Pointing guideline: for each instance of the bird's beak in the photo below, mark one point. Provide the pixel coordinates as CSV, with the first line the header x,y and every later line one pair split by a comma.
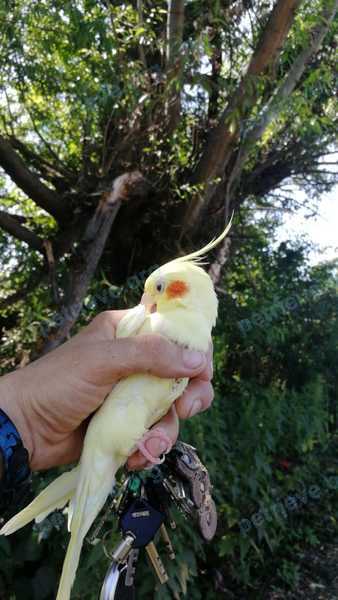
x,y
148,301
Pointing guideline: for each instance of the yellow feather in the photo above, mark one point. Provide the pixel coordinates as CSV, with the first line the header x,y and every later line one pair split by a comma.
x,y
194,256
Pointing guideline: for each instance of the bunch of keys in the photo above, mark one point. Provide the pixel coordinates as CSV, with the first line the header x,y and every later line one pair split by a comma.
x,y
143,509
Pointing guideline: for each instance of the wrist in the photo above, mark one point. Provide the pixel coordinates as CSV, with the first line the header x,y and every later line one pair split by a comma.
x,y
16,475
12,402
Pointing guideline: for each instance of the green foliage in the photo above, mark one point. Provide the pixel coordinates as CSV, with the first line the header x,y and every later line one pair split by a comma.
x,y
288,573
74,90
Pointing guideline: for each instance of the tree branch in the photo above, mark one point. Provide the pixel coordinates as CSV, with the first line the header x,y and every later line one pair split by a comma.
x,y
220,141
266,178
175,25
215,77
141,51
43,196
87,256
12,226
48,170
47,144
284,90
321,172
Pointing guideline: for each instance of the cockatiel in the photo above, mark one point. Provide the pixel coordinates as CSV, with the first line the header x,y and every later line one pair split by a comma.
x,y
180,303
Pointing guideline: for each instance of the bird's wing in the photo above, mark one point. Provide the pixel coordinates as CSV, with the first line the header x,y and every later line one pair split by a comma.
x,y
131,322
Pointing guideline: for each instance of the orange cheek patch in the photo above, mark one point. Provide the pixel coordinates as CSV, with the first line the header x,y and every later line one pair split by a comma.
x,y
177,289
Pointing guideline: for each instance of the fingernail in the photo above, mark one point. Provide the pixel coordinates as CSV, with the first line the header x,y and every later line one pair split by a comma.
x,y
195,408
193,359
156,447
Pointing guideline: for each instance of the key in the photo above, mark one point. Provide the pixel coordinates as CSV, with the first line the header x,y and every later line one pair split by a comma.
x,y
143,521
131,567
167,541
120,498
177,493
158,495
121,551
139,524
131,489
156,562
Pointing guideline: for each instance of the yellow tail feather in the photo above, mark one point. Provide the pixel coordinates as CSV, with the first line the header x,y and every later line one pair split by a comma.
x,y
55,496
84,507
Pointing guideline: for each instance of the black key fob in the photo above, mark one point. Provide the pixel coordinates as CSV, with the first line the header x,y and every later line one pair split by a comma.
x,y
142,520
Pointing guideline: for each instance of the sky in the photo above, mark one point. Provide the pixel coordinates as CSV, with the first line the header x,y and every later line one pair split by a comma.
x,y
321,229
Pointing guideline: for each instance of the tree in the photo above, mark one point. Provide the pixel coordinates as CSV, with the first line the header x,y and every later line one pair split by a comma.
x,y
131,130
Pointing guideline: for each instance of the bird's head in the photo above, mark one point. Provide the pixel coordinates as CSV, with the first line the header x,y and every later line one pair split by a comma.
x,y
183,284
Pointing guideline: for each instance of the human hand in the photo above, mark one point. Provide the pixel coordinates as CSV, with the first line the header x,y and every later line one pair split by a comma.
x,y
51,399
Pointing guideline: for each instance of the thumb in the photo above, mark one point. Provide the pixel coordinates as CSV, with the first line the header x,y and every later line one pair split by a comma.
x,y
152,354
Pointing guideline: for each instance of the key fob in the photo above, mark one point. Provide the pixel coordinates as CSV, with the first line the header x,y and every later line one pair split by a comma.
x,y
142,520
207,520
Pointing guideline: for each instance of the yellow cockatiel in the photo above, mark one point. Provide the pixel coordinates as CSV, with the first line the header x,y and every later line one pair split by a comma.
x,y
180,303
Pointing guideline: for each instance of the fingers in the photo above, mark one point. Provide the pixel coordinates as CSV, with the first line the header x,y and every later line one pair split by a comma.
x,y
197,397
199,394
152,354
169,424
208,371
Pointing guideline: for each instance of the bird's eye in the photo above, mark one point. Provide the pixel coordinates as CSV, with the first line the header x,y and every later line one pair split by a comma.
x,y
160,285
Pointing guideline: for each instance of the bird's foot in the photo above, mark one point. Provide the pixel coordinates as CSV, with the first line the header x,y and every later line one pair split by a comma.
x,y
160,435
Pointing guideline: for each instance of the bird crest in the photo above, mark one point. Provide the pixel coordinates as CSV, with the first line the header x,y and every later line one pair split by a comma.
x,y
198,256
